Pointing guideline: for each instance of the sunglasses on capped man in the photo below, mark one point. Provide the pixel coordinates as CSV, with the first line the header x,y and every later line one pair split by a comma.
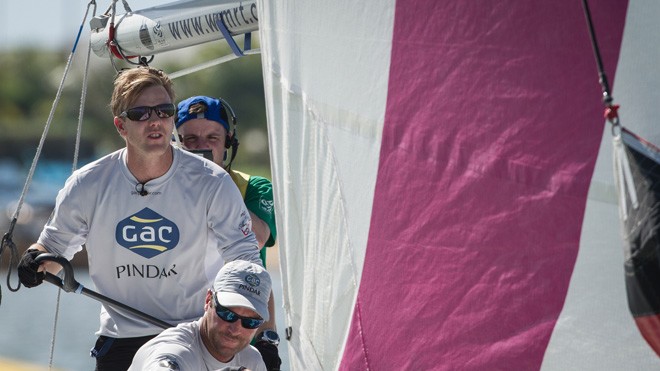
x,y
228,316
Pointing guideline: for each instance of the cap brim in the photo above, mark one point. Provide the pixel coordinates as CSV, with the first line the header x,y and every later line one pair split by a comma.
x,y
232,299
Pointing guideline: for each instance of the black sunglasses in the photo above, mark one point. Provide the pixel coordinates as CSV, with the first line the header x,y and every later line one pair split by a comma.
x,y
228,316
143,113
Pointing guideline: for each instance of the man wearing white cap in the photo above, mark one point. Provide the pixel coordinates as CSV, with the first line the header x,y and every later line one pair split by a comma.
x,y
233,311
203,124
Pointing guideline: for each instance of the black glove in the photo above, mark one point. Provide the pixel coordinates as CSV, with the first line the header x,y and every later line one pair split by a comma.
x,y
27,269
269,354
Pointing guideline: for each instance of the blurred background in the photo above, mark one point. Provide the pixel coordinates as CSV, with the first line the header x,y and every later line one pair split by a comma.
x,y
34,48
36,40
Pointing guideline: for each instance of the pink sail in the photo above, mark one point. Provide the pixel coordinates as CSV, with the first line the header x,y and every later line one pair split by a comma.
x,y
444,181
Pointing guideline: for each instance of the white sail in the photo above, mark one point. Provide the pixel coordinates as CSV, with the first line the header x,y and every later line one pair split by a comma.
x,y
320,120
443,181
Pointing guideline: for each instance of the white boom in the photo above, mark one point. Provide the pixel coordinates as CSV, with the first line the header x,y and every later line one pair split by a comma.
x,y
170,26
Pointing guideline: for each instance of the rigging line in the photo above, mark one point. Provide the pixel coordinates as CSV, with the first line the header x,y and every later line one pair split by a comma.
x,y
602,77
127,8
177,140
7,239
83,97
622,165
197,68
114,47
211,63
611,113
620,153
111,31
76,152
53,336
45,132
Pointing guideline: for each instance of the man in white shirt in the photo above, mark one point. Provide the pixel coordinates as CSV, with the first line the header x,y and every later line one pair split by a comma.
x,y
157,222
233,311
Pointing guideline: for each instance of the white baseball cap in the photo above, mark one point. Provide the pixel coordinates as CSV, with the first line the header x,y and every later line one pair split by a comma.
x,y
240,283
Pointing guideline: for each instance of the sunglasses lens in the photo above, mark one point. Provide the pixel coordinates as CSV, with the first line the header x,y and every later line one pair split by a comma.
x,y
138,113
229,316
165,110
251,323
143,113
226,315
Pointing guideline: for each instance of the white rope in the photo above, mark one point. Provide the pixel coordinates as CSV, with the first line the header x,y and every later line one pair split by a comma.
x,y
618,170
175,133
81,110
28,181
627,176
83,97
53,336
624,178
199,67
211,63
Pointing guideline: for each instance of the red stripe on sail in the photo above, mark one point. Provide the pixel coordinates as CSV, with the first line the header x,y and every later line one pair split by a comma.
x,y
492,129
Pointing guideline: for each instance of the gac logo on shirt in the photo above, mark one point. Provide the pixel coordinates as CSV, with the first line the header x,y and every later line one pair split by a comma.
x,y
147,233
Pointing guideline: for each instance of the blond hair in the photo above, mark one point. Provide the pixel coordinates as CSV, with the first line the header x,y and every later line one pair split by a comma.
x,y
129,84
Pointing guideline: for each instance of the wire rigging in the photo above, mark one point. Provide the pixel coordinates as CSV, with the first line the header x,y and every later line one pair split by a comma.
x,y
76,152
7,241
611,110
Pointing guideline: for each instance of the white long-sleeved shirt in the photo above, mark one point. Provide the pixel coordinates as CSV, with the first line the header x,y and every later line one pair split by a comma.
x,y
157,253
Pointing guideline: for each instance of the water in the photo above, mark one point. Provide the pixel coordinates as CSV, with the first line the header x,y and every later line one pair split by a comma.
x,y
27,318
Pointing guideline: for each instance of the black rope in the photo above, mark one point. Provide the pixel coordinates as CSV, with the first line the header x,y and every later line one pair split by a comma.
x,y
611,110
142,61
7,242
602,77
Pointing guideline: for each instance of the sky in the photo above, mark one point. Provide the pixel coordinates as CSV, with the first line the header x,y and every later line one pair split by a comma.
x,y
51,24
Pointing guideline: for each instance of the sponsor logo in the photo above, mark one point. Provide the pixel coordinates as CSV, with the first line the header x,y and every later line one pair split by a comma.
x,y
252,284
252,280
250,289
147,233
246,224
136,193
145,38
145,271
159,35
266,205
158,30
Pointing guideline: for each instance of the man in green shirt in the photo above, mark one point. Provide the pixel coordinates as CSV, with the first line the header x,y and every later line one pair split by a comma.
x,y
203,124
